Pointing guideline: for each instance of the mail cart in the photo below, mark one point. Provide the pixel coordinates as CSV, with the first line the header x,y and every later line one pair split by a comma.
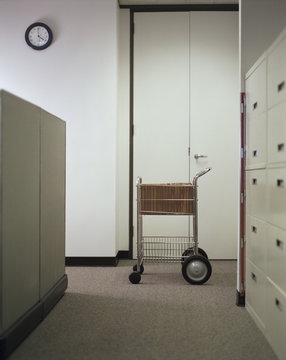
x,y
171,199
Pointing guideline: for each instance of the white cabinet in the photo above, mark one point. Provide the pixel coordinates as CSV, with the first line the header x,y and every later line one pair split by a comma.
x,y
256,193
276,255
256,91
256,151
277,74
276,194
256,293
276,319
266,194
256,244
276,131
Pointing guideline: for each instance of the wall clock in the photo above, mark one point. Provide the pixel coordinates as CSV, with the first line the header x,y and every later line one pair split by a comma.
x,y
38,36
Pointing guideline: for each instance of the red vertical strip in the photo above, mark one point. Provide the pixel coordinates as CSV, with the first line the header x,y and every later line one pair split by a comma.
x,y
242,201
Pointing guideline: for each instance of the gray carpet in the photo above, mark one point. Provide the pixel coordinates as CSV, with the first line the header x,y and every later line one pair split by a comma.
x,y
103,316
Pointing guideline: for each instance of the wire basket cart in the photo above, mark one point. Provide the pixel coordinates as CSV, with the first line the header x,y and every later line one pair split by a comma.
x,y
171,199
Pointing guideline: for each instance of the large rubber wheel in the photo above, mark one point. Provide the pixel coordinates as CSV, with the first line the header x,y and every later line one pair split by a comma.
x,y
135,277
196,269
190,251
141,268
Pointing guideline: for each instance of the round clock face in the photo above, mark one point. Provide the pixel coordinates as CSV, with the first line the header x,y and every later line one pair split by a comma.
x,y
39,36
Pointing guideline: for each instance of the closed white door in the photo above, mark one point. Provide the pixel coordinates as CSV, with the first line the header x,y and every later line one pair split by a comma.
x,y
186,97
161,109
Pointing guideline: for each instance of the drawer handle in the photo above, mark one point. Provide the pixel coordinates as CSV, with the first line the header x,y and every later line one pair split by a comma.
x,y
279,243
280,182
255,105
278,304
281,86
253,276
280,147
255,153
254,229
254,181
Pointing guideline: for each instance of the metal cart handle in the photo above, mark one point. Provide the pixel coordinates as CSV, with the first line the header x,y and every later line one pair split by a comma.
x,y
201,173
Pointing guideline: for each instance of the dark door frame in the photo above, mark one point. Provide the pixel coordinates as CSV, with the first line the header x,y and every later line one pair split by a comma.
x,y
152,8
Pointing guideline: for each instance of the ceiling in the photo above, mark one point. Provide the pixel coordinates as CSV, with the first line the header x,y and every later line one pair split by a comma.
x,y
175,2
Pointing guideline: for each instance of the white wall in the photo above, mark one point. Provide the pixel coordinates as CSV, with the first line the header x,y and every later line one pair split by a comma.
x,y
75,79
261,22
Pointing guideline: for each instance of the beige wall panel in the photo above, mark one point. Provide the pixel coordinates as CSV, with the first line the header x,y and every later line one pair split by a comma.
x,y
52,243
20,207
260,21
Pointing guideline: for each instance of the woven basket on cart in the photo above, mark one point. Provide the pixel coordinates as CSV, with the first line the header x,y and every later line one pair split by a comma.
x,y
167,199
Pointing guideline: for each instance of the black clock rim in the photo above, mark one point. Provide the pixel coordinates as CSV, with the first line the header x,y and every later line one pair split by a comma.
x,y
29,28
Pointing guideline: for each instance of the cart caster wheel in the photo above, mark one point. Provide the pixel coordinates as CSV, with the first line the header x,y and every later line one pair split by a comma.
x,y
203,253
196,269
135,277
141,268
190,252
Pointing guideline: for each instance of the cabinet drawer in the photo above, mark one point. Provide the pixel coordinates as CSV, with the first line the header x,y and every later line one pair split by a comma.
x,y
277,74
256,193
256,91
256,291
276,255
276,319
256,142
276,196
256,241
277,133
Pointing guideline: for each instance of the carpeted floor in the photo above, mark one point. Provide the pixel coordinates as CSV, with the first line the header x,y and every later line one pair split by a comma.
x,y
103,316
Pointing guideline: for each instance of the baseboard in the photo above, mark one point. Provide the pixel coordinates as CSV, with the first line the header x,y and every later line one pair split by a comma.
x,y
181,7
240,299
15,334
54,295
123,254
97,261
91,261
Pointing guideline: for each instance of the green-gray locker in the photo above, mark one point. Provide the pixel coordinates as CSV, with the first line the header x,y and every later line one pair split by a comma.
x,y
32,217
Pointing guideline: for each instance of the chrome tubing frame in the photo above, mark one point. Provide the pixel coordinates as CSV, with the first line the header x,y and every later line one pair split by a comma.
x,y
195,216
139,225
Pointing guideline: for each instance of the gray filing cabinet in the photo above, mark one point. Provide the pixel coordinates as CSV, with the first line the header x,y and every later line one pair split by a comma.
x,y
266,194
32,217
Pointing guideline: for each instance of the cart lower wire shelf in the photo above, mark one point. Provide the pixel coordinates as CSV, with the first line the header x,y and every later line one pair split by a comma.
x,y
170,199
164,248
